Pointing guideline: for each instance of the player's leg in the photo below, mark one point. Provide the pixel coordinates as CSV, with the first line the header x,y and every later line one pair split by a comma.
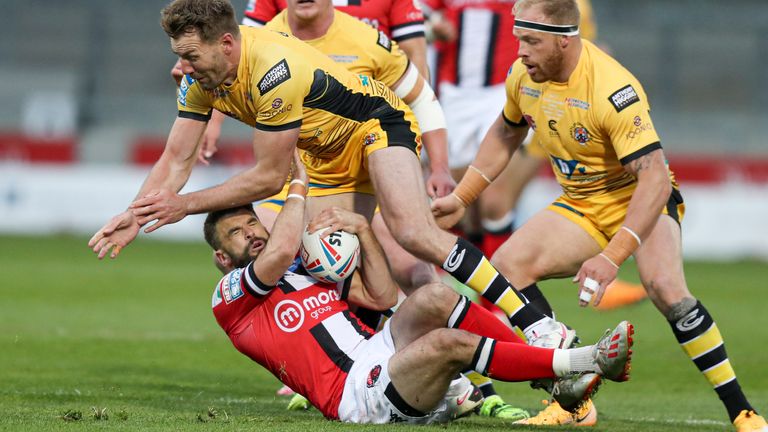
x,y
409,271
659,261
404,207
548,245
422,371
499,199
436,305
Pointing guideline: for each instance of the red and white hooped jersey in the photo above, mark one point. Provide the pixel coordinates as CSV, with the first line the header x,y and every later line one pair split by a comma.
x,y
398,19
300,330
485,47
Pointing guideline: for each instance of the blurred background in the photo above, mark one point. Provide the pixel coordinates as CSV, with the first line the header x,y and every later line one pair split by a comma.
x,y
87,101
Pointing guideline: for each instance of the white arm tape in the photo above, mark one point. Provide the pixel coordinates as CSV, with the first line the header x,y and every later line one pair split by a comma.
x,y
425,107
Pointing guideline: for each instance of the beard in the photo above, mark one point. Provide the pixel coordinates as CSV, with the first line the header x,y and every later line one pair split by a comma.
x,y
241,258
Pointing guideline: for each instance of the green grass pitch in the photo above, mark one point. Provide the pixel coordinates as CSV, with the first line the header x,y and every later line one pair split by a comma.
x,y
131,344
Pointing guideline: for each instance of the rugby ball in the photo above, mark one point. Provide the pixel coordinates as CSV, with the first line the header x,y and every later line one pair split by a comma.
x,y
332,258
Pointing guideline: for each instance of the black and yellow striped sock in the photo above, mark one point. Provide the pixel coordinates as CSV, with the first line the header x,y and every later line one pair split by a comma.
x,y
468,265
700,338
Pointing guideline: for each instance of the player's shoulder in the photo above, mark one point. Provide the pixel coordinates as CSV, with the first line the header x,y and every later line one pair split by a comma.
x,y
612,82
229,288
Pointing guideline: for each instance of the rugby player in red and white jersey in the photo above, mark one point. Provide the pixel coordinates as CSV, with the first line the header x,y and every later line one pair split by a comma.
x,y
303,332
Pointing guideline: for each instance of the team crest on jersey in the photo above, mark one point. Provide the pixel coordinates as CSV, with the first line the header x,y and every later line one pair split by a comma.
x,y
624,97
580,133
277,75
370,138
373,376
384,41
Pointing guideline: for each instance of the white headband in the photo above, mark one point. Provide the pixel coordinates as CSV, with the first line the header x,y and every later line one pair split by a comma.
x,y
563,30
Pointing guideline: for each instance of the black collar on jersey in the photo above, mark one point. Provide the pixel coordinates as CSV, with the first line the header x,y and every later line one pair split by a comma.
x,y
564,30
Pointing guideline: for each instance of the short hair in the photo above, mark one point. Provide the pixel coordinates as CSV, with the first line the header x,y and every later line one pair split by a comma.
x,y
560,12
213,218
209,18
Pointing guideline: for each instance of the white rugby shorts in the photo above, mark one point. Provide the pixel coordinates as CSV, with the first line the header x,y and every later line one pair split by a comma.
x,y
363,399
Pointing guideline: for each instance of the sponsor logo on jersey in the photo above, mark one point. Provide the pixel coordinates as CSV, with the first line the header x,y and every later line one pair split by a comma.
x,y
552,124
219,93
580,133
373,376
277,75
384,42
263,115
454,259
289,314
231,289
690,321
623,97
532,92
341,58
639,128
186,82
577,103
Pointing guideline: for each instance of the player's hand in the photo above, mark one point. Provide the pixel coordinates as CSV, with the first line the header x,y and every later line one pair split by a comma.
x,y
447,211
208,143
440,183
115,235
176,72
333,219
298,170
593,278
162,205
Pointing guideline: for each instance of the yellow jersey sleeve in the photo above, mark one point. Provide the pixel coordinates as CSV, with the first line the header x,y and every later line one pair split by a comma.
x,y
627,121
193,102
281,81
512,113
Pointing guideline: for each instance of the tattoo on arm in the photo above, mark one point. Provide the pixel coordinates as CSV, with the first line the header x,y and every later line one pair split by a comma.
x,y
639,164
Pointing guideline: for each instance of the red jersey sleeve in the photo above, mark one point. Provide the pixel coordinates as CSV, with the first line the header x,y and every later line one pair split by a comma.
x,y
406,20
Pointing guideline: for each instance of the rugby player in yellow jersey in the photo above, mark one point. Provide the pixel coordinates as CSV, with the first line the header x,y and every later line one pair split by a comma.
x,y
369,53
619,198
357,136
365,51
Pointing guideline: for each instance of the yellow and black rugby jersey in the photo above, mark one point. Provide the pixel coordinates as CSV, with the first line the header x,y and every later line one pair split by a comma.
x,y
283,83
355,45
590,126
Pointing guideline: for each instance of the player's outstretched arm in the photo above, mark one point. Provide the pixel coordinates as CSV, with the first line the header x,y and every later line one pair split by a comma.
x,y
648,199
496,149
170,173
415,91
372,286
285,237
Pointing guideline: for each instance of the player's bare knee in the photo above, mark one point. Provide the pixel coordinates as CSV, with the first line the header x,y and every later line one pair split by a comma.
x,y
434,299
451,347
